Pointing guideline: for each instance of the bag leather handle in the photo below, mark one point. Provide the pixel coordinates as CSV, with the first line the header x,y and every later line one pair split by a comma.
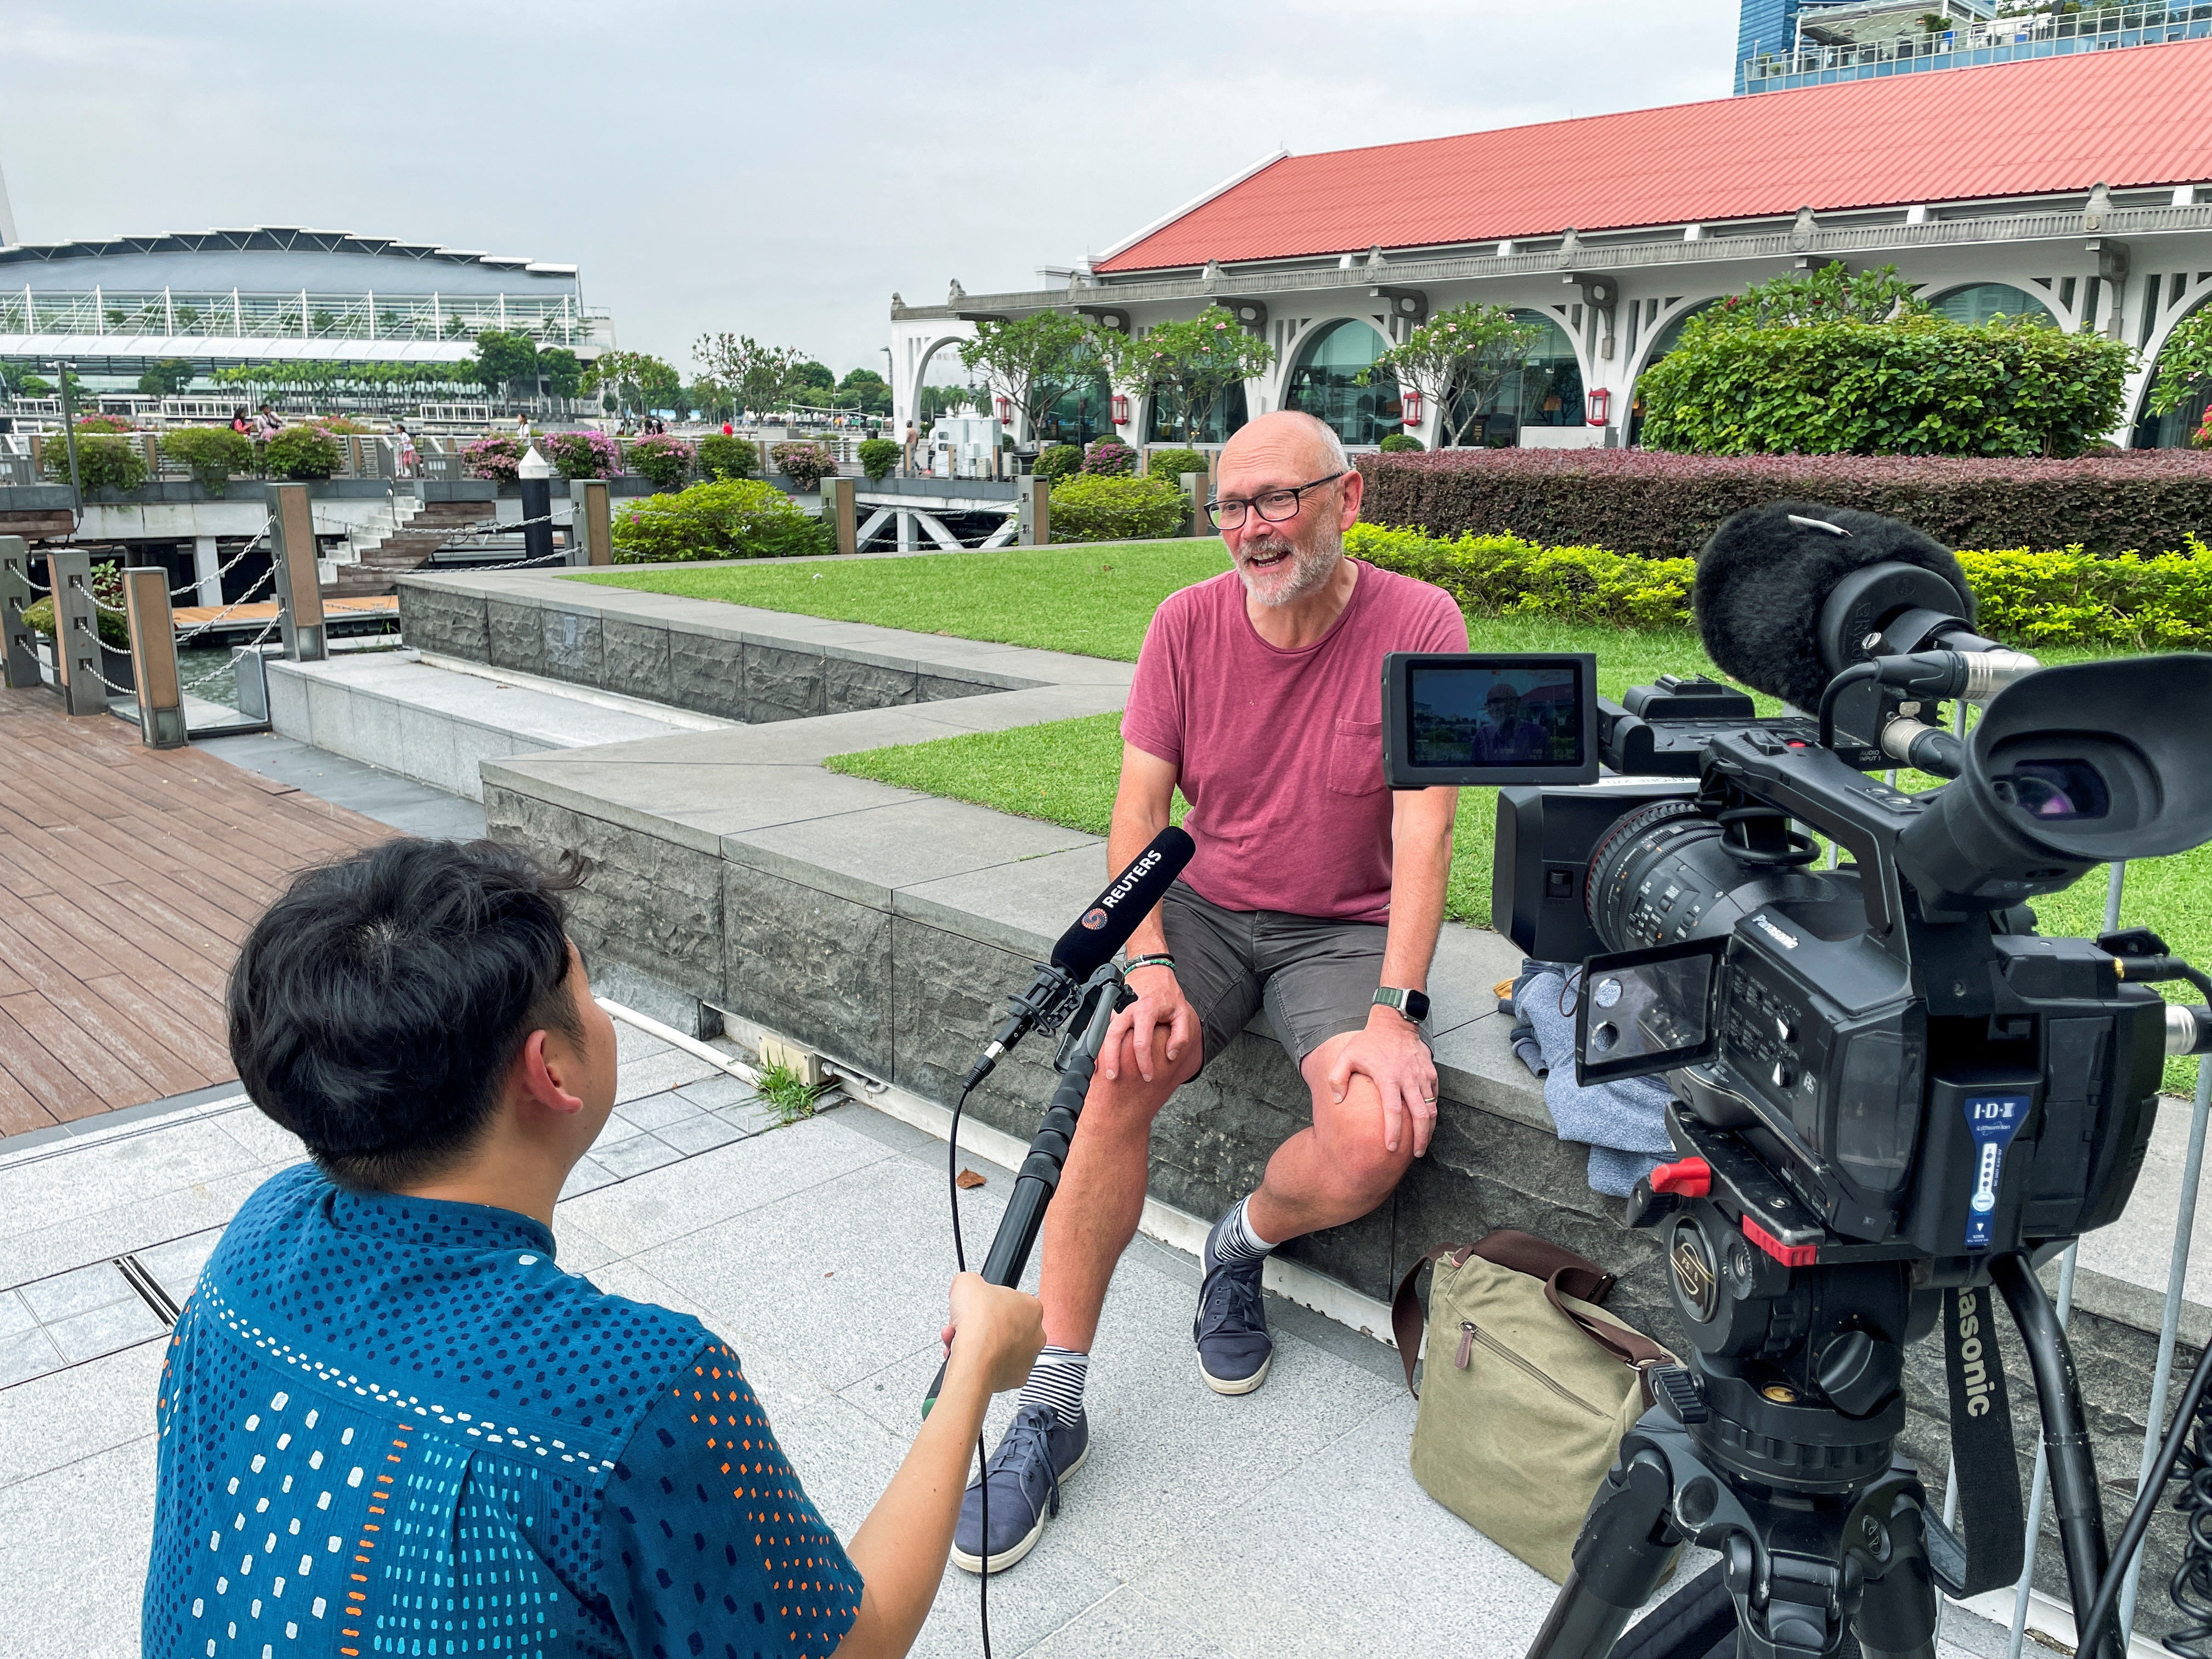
x,y
1628,1346
1407,1317
1563,1273
1538,1258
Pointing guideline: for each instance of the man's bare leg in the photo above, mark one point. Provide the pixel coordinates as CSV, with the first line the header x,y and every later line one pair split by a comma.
x,y
1101,1199
1336,1171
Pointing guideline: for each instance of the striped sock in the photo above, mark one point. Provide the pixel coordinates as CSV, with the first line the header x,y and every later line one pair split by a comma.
x,y
1056,1380
1237,1241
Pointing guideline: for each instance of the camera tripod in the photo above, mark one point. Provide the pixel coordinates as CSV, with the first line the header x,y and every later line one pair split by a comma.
x,y
1776,1446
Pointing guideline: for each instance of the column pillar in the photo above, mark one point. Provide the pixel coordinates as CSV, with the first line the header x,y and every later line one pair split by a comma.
x,y
20,657
206,562
299,584
591,529
839,512
76,632
154,657
1194,489
1035,511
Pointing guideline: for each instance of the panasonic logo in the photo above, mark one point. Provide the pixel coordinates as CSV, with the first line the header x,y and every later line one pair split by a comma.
x,y
1973,1365
1787,941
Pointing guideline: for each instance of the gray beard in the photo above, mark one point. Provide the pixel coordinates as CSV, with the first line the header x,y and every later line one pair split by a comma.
x,y
1309,574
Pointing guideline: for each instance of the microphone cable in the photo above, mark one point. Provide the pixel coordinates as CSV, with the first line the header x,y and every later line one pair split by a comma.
x,y
983,1463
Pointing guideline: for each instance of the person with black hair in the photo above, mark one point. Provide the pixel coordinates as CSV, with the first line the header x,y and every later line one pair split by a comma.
x,y
389,1422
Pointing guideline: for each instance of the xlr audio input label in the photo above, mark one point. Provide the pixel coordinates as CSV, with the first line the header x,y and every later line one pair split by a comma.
x,y
1994,1120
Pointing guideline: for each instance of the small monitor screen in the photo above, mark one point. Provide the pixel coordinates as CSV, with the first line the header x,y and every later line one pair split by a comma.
x,y
1497,716
1492,718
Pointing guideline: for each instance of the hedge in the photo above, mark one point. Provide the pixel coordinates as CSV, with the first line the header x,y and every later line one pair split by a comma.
x,y
211,453
1088,509
728,518
2028,599
301,453
1663,506
103,463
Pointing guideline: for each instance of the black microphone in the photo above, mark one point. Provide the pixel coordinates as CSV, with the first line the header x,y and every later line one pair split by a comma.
x,y
1103,929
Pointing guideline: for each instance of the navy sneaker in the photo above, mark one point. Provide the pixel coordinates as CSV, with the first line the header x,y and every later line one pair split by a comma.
x,y
1234,1350
1038,1453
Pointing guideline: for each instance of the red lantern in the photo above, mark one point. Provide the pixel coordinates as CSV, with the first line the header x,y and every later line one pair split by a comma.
x,y
1005,410
1121,410
1600,404
1409,403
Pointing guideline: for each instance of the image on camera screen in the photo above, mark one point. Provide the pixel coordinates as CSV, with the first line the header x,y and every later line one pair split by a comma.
x,y
1497,716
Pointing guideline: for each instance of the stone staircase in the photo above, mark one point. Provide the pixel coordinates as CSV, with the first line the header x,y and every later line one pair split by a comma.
x,y
381,563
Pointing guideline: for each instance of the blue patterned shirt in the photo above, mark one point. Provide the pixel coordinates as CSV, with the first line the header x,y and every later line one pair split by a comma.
x,y
392,1426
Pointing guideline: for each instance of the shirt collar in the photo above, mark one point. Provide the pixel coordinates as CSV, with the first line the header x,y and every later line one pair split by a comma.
x,y
436,1223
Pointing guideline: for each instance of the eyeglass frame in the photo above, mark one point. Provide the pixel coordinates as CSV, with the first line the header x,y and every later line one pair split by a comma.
x,y
1296,493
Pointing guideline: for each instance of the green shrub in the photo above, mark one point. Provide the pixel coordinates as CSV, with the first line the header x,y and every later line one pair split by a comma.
x,y
1172,463
212,454
108,588
1920,385
1504,575
721,457
1399,442
805,464
299,453
878,456
1094,509
663,461
1058,461
727,519
101,463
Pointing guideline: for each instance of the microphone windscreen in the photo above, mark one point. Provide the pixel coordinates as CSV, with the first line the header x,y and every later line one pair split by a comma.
x,y
1105,928
1762,580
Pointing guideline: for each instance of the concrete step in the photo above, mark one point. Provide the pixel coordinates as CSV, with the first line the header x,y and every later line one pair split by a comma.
x,y
431,527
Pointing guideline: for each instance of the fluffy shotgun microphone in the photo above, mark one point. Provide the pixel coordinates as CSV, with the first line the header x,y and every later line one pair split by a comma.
x,y
1767,572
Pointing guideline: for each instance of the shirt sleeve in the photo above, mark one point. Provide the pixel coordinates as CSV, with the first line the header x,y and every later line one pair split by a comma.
x,y
1152,718
707,1534
1444,627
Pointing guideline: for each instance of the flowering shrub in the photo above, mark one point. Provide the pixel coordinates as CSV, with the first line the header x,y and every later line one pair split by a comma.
x,y
1057,461
212,454
2202,438
2034,600
103,424
103,461
730,518
337,425
1095,509
299,453
721,457
496,457
1658,505
804,464
581,455
1110,458
663,460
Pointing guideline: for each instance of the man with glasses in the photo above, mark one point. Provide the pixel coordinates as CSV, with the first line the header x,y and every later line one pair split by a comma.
x,y
1315,894
1508,737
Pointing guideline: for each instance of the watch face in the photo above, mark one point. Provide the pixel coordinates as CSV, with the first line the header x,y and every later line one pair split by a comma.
x,y
1417,1006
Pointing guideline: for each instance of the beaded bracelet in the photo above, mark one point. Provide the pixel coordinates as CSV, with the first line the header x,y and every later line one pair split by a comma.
x,y
1166,962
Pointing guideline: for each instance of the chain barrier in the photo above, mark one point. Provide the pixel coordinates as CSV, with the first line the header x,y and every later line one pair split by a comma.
x,y
193,586
231,662
198,629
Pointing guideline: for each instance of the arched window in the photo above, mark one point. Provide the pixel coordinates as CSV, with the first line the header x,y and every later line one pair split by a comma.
x,y
1547,392
1984,300
2172,429
1163,422
1324,382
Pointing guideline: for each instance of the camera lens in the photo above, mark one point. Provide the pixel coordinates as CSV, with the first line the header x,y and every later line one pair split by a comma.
x,y
2054,790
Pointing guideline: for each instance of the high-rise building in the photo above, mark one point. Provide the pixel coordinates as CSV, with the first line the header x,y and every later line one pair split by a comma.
x,y
1785,44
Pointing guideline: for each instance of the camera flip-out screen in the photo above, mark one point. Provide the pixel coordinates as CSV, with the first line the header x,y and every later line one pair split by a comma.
x,y
1489,718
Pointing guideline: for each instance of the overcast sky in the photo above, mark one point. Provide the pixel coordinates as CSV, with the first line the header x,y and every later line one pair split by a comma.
x,y
774,170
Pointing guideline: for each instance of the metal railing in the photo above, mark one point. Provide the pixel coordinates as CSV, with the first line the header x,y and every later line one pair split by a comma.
x,y
1986,41
172,313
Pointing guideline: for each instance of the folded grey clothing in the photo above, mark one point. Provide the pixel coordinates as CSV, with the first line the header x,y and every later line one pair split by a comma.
x,y
1624,1123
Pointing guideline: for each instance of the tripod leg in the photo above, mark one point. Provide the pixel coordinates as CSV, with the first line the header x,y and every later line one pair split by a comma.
x,y
1620,1559
1897,1611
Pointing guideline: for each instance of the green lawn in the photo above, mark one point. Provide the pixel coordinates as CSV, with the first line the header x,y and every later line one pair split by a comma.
x,y
1095,600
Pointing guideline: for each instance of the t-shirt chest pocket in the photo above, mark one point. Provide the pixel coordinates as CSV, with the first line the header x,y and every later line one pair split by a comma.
x,y
1355,757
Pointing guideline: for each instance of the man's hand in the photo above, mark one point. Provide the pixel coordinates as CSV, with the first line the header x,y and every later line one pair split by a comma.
x,y
1160,1001
1001,1331
1391,1051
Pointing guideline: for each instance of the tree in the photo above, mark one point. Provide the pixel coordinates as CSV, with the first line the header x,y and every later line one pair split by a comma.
x,y
1199,358
811,382
2185,362
509,359
563,374
167,378
936,400
1830,294
1035,361
755,374
712,399
628,375
866,391
1458,360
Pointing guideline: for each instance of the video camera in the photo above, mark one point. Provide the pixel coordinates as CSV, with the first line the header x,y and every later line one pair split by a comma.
x,y
1885,1084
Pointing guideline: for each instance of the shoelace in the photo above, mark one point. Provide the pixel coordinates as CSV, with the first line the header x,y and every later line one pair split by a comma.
x,y
1029,1431
1233,1297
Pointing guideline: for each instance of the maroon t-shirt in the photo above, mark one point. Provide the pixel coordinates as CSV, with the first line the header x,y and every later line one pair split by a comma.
x,y
1280,752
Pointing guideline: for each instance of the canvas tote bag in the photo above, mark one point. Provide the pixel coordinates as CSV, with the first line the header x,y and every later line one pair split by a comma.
x,y
1529,1387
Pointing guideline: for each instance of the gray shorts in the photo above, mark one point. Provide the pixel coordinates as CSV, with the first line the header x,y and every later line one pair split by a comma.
x,y
1316,978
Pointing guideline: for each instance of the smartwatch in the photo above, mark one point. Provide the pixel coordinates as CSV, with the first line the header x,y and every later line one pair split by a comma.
x,y
1413,1005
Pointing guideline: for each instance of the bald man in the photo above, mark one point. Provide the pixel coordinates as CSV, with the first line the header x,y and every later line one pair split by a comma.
x,y
1315,894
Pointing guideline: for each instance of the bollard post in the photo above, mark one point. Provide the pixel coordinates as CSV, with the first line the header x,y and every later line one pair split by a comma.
x,y
76,632
1194,489
1034,498
590,531
154,657
299,584
535,477
840,511
20,661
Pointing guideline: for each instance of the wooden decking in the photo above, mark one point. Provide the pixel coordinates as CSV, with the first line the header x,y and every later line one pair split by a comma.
x,y
191,615
128,877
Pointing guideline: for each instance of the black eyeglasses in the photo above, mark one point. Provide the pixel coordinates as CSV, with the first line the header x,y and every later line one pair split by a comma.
x,y
1273,506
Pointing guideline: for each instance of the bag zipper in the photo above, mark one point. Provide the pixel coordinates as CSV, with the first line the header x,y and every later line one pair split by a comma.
x,y
1470,1333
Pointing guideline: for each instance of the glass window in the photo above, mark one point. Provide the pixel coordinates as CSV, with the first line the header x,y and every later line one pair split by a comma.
x,y
1084,413
2174,428
1164,420
1665,341
1547,392
1983,301
1324,383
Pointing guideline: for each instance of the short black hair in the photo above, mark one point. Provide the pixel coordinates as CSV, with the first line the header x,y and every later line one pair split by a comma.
x,y
376,1007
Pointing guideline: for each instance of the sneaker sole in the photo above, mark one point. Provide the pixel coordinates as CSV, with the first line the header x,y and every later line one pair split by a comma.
x,y
1007,1558
1240,1385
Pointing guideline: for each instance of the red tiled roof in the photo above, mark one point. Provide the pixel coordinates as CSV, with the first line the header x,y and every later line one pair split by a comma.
x,y
2130,118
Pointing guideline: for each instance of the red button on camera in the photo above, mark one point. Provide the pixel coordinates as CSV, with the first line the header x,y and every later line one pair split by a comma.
x,y
1692,1178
